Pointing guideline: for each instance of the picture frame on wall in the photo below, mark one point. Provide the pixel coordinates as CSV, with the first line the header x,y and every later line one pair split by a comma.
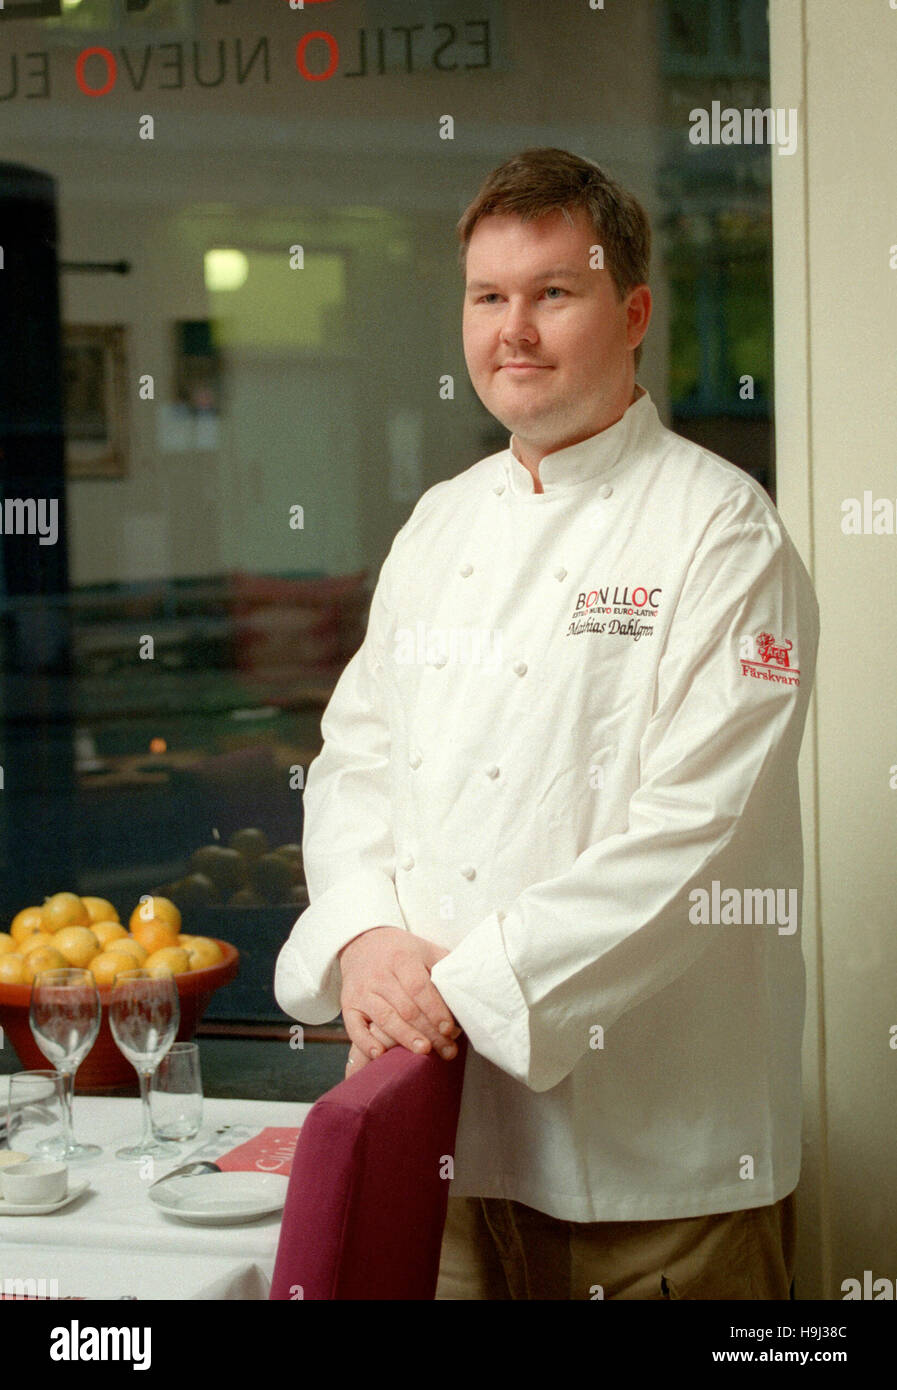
x,y
95,404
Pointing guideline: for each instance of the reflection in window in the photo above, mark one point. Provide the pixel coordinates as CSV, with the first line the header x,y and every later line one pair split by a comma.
x,y
260,344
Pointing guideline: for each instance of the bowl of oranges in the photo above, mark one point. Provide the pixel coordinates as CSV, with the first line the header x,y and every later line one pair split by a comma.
x,y
69,930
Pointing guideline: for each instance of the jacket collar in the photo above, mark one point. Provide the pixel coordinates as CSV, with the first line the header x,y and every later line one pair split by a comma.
x,y
591,458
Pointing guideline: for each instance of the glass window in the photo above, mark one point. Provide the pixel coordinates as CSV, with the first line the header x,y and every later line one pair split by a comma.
x,y
232,360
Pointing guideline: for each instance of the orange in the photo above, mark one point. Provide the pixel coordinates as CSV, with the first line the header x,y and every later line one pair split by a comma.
x,y
108,964
153,935
36,941
100,910
107,931
29,920
204,952
77,944
172,960
132,947
65,910
162,909
44,958
7,943
186,940
12,970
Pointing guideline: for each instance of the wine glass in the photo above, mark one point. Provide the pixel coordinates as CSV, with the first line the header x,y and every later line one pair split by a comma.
x,y
65,1020
144,1013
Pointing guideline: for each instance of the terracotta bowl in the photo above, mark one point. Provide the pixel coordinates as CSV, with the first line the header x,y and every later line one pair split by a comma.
x,y
104,1067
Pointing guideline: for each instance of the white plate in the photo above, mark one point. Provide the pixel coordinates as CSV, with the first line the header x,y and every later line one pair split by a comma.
x,y
46,1208
221,1199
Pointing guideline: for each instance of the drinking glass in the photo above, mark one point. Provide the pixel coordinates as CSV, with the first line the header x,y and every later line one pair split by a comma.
x,y
65,1020
144,1014
176,1093
36,1113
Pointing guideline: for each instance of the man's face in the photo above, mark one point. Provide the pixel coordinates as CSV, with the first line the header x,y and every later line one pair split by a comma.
x,y
548,345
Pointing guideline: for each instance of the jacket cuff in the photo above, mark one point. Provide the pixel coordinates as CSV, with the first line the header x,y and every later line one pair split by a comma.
x,y
477,983
307,977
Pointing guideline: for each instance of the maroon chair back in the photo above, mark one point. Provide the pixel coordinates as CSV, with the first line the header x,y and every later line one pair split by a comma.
x,y
368,1194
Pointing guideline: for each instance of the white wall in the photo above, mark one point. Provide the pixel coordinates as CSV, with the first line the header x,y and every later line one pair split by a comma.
x,y
834,220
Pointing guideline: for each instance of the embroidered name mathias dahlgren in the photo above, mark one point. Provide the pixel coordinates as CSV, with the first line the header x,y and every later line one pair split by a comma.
x,y
633,628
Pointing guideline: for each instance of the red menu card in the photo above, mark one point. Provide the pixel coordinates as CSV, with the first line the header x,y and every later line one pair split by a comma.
x,y
269,1152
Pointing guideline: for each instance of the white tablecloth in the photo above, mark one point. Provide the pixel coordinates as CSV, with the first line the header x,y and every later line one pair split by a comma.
x,y
112,1242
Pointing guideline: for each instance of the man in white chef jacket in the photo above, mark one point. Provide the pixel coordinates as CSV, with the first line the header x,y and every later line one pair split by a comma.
x,y
557,801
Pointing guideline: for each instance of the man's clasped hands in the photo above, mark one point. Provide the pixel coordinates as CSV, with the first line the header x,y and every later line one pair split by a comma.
x,y
388,998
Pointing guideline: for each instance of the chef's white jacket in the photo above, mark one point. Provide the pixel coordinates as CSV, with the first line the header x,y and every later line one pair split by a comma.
x,y
574,713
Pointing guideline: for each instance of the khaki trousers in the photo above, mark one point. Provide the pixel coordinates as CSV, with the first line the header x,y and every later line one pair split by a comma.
x,y
494,1248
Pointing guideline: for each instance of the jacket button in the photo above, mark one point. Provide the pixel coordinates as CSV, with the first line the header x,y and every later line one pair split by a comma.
x,y
465,571
407,861
439,661
468,871
606,490
492,770
519,668
560,574
415,761
499,489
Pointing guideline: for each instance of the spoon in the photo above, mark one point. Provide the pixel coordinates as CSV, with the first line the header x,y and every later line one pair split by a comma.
x,y
199,1166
